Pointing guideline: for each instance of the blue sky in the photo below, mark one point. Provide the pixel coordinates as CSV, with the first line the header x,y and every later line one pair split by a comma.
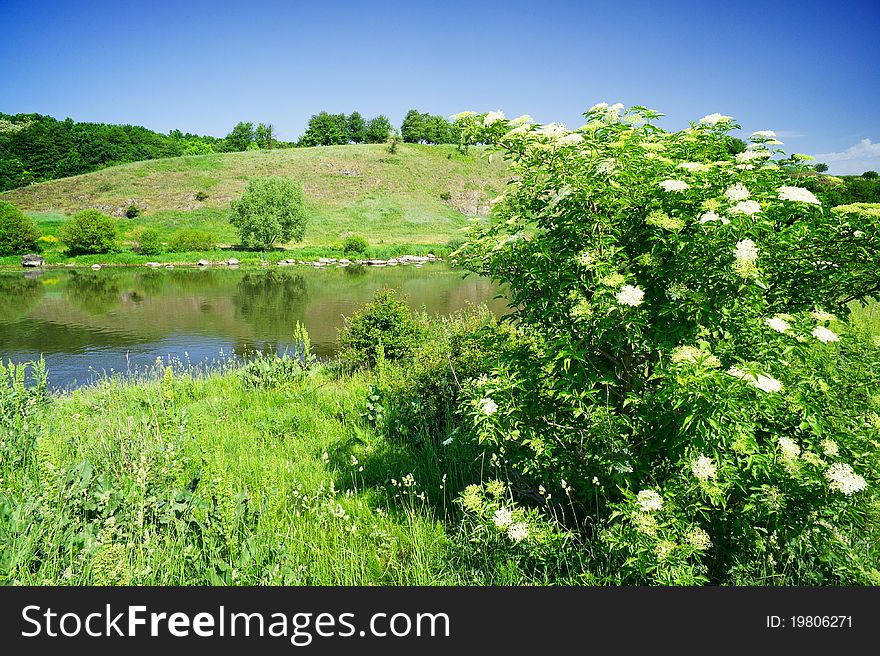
x,y
808,70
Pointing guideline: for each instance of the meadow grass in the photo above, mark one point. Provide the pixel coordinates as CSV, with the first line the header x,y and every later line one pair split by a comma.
x,y
210,479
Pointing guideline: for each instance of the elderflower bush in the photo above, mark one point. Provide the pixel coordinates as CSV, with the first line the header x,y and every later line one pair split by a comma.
x,y
687,308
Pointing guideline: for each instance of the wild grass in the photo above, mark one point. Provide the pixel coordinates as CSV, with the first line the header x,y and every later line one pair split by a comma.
x,y
234,477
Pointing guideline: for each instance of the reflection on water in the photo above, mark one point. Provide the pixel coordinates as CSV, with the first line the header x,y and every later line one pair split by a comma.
x,y
89,322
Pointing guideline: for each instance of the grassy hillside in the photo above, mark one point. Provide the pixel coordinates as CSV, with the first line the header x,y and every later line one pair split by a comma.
x,y
419,195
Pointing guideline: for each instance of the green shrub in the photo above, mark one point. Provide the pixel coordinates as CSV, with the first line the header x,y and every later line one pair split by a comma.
x,y
445,195
146,241
695,396
18,233
133,211
191,240
201,195
271,209
385,325
89,231
354,244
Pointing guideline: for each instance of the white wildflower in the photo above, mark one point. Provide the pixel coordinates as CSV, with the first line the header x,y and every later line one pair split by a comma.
x,y
502,517
461,115
751,155
703,468
525,119
518,532
606,166
747,207
768,384
599,106
746,251
674,185
829,448
737,192
715,119
630,295
488,406
649,501
693,166
778,324
824,335
519,130
706,217
798,195
571,138
447,441
842,478
699,539
763,134
492,117
790,450
553,130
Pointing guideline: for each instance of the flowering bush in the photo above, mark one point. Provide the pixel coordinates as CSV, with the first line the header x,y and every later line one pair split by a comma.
x,y
712,419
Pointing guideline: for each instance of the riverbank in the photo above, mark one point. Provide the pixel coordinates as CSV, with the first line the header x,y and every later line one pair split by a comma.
x,y
403,252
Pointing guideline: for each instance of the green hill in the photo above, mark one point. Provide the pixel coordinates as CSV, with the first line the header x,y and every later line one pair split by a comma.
x,y
419,195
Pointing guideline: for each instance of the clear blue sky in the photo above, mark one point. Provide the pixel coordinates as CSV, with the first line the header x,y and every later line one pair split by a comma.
x,y
809,69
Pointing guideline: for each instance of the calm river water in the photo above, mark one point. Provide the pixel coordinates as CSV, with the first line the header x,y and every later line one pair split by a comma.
x,y
91,323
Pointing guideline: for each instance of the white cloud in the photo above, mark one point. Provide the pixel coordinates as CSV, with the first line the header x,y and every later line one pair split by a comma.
x,y
855,160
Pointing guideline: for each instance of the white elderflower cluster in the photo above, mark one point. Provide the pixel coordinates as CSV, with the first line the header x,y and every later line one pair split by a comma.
x,y
630,295
778,324
715,119
677,291
764,383
525,119
842,478
711,215
488,406
798,195
703,468
518,531
674,185
606,166
694,355
571,138
694,166
552,130
737,193
751,155
492,117
745,255
830,448
824,335
699,539
747,207
502,517
790,450
763,134
649,501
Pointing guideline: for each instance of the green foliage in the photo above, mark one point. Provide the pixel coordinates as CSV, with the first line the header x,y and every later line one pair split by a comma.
x,y
271,209
39,148
356,128
146,241
201,196
325,130
384,325
378,129
191,240
18,233
682,385
870,175
821,167
425,128
89,231
133,211
264,136
241,137
354,245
